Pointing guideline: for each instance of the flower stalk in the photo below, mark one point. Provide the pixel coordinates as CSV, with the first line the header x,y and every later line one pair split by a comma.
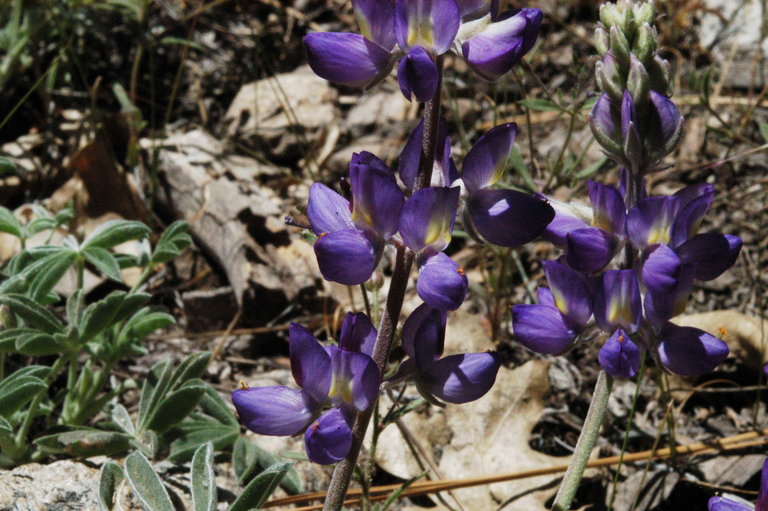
x,y
342,474
586,442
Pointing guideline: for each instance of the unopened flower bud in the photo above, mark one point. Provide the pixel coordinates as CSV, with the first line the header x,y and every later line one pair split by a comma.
x,y
665,126
638,82
603,121
644,45
610,16
632,145
609,77
602,40
660,73
644,13
620,46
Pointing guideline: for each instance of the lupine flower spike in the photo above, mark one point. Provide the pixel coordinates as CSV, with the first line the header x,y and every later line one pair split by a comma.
x,y
662,252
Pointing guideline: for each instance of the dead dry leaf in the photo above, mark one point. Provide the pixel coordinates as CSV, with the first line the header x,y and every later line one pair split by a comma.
x,y
99,188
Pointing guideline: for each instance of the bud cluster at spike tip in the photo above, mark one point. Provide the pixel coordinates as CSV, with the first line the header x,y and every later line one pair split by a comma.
x,y
413,33
633,306
630,262
633,119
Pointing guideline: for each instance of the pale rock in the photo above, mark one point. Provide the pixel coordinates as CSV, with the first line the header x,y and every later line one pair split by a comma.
x,y
386,149
236,220
380,107
283,113
733,31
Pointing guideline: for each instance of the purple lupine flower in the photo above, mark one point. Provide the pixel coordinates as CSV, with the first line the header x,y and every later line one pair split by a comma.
x,y
351,237
688,351
552,326
426,223
422,30
729,504
619,356
635,139
591,238
496,49
668,283
618,309
334,381
507,218
675,221
330,53
617,301
665,229
683,350
453,379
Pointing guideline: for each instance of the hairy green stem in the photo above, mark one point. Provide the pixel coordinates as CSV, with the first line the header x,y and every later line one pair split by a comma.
x,y
80,272
602,392
142,279
586,442
21,434
342,474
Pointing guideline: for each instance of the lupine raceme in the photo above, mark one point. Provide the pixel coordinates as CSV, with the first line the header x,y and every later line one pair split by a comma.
x,y
630,261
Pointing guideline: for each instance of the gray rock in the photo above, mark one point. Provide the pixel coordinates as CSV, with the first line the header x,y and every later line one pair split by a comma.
x,y
71,485
236,220
378,107
61,486
732,31
386,149
283,114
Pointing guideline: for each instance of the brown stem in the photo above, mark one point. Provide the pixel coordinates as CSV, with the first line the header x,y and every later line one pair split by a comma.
x,y
633,195
429,139
342,474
